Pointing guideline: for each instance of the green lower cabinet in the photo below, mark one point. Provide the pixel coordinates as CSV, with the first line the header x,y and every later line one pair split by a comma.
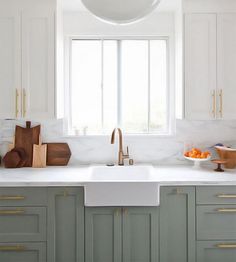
x,y
177,224
121,234
216,251
65,225
23,252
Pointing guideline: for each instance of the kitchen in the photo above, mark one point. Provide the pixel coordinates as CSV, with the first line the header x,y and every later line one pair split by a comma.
x,y
166,78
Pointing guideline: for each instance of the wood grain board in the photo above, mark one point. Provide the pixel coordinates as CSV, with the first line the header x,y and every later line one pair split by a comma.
x,y
39,155
58,154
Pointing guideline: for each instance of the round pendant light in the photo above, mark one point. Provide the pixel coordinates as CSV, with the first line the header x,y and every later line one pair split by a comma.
x,y
120,11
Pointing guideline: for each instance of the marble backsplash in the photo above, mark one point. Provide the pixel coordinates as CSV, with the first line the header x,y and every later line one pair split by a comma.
x,y
143,149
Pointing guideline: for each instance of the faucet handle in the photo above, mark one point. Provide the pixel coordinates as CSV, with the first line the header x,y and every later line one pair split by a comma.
x,y
127,150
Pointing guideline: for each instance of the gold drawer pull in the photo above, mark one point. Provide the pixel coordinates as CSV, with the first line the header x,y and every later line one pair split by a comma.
x,y
227,210
12,212
226,196
117,212
12,197
226,246
12,248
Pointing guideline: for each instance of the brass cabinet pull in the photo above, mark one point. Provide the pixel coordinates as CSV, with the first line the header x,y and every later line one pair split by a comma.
x,y
226,246
221,103
17,108
12,197
226,196
12,212
117,212
178,191
24,102
125,211
214,103
226,210
12,248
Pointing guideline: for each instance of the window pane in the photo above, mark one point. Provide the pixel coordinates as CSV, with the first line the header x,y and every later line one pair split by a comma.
x,y
134,82
109,85
86,85
158,86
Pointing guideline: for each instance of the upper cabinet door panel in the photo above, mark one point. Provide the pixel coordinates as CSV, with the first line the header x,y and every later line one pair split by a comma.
x,y
38,64
226,49
10,77
200,66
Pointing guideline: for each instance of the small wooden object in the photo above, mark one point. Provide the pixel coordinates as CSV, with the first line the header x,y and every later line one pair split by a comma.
x,y
229,155
39,155
58,154
16,158
219,164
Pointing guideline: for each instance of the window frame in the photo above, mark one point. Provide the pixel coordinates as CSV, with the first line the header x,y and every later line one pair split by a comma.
x,y
170,84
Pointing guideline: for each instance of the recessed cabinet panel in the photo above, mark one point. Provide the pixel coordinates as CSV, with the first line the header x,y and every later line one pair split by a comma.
x,y
200,66
10,79
38,64
216,251
226,64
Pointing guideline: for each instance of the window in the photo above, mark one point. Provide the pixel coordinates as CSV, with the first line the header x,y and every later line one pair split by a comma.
x,y
119,83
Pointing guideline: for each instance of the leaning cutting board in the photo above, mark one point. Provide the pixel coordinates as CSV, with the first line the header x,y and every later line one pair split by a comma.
x,y
25,138
39,155
58,154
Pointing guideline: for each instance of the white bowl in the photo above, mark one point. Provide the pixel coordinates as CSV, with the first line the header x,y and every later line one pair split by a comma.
x,y
197,161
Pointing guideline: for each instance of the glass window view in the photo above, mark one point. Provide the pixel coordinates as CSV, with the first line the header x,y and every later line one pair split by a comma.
x,y
119,83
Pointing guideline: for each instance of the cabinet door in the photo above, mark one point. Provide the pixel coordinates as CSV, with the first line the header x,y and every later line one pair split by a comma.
x,y
65,225
103,234
140,234
216,251
200,66
226,64
10,59
23,252
177,224
38,64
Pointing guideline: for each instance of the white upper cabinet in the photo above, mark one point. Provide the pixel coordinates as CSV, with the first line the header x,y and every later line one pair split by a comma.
x,y
226,65
27,64
200,66
210,66
10,67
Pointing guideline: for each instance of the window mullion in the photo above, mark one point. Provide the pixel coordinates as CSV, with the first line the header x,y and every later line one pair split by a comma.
x,y
149,85
102,83
119,84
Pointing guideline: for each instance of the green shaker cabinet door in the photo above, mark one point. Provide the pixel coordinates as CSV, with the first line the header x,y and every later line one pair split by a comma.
x,y
177,224
140,234
65,225
103,234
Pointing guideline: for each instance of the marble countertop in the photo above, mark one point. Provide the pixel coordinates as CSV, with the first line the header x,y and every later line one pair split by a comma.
x,y
79,176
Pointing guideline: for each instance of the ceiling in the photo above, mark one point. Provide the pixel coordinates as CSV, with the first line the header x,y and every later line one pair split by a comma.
x,y
76,5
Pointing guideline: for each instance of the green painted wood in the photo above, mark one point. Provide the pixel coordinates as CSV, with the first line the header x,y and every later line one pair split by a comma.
x,y
207,251
103,234
30,225
65,225
140,234
208,195
214,225
34,252
29,196
177,224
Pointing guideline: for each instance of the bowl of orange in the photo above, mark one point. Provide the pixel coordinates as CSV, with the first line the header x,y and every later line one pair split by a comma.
x,y
197,156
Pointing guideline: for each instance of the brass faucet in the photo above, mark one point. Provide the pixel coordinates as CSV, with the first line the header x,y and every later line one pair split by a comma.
x,y
121,155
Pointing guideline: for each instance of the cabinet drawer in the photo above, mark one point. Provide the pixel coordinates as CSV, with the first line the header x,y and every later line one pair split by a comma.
x,y
216,222
23,196
216,251
22,224
216,195
23,252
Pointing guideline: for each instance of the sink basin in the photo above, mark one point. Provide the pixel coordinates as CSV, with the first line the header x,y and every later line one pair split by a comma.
x,y
121,186
121,173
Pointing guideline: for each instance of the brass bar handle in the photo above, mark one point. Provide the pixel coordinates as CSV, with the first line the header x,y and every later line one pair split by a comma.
x,y
24,102
226,196
12,197
226,210
12,212
221,103
16,104
214,103
16,248
226,246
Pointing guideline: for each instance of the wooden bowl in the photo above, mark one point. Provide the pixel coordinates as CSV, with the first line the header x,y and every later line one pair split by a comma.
x,y
228,155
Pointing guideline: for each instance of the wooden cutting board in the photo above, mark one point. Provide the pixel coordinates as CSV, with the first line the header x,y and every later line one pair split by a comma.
x,y
39,155
25,138
58,154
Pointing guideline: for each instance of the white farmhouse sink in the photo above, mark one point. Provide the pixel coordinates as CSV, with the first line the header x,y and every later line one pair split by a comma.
x,y
121,186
